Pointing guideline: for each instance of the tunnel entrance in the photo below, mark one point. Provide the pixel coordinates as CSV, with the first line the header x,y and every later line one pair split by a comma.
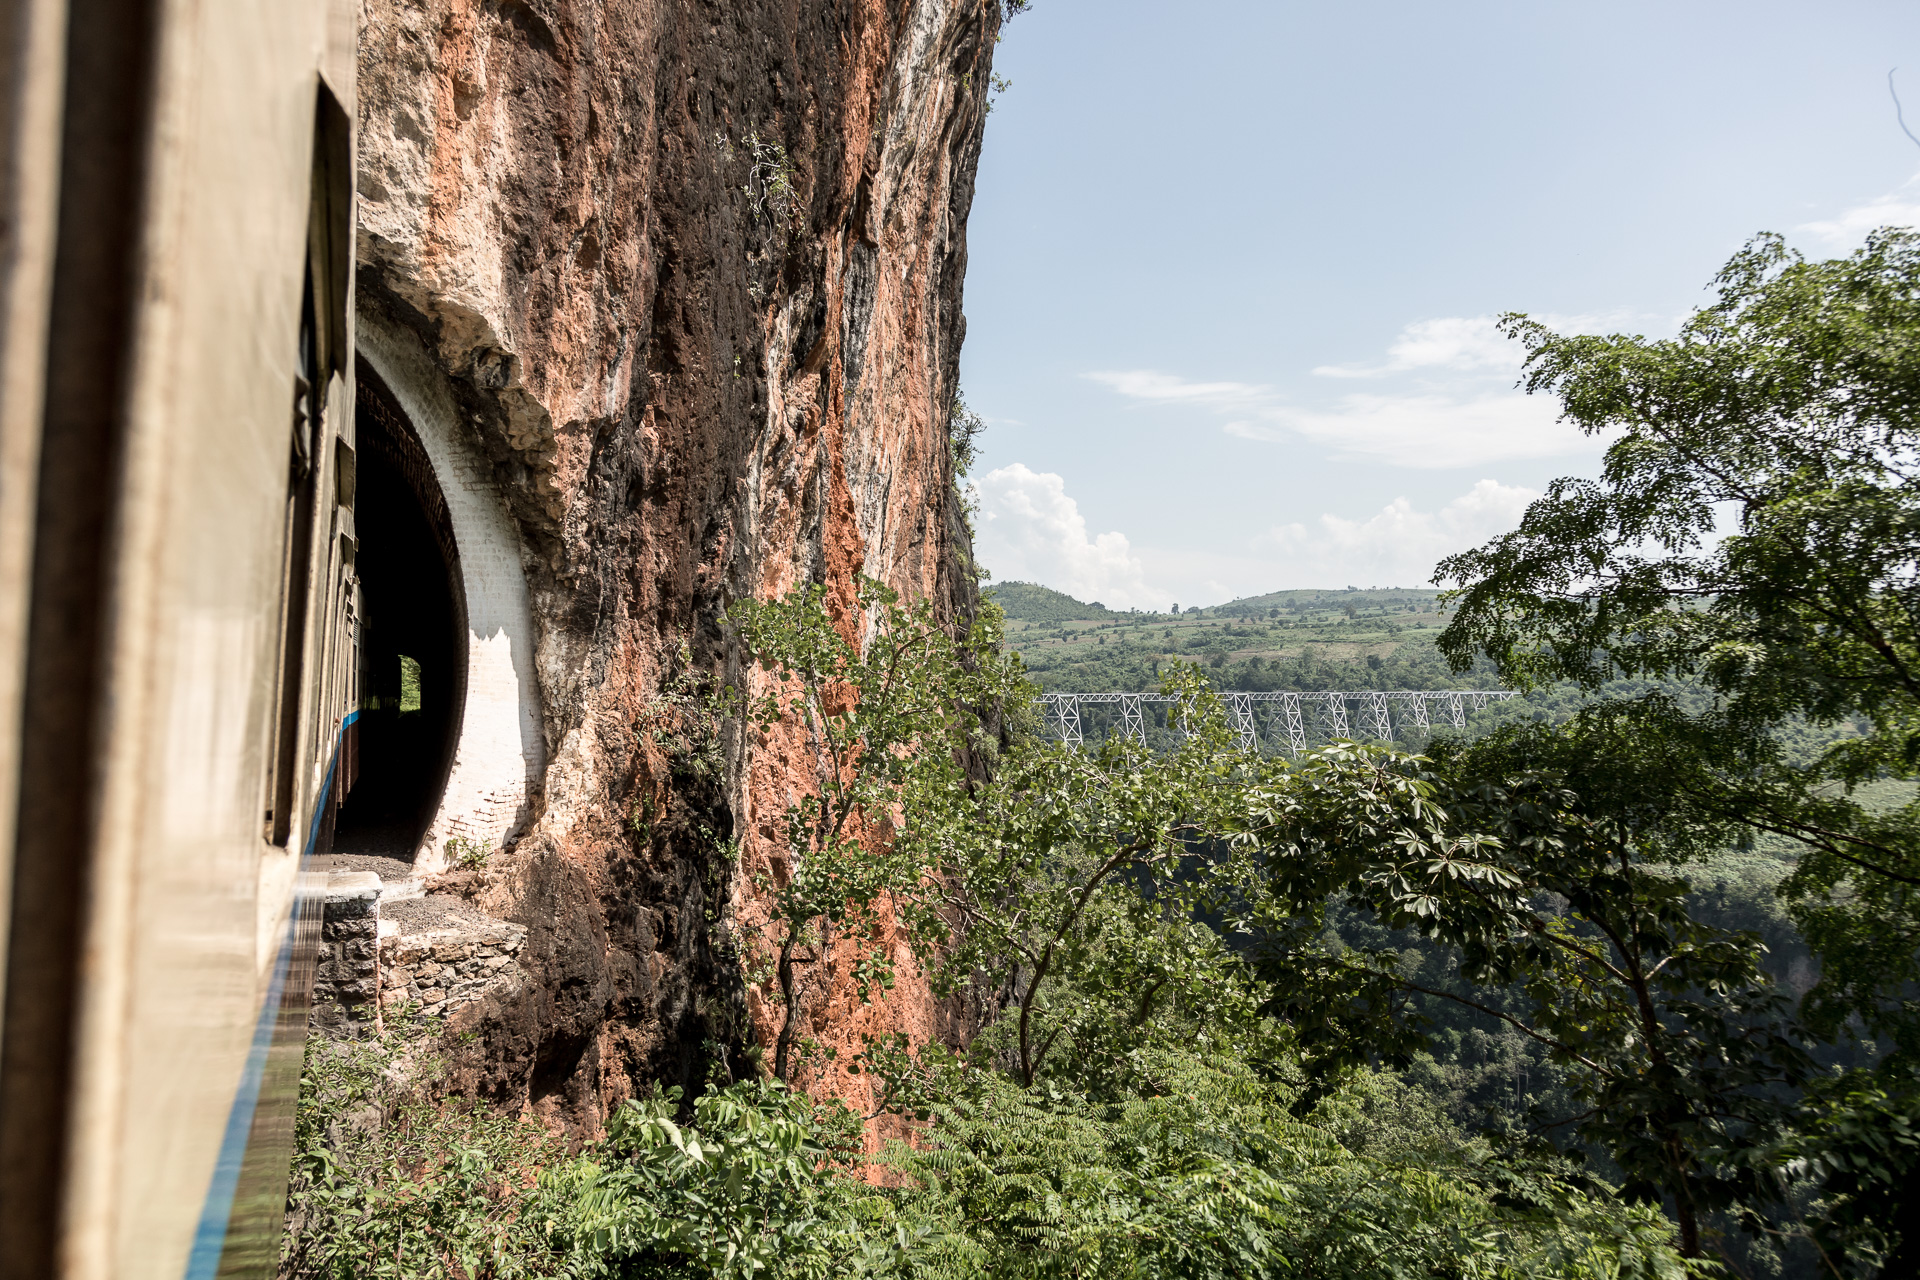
x,y
412,634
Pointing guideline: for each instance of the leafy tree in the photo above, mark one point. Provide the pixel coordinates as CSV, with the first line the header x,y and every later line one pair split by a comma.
x,y
1664,1028
1037,880
1008,885
1755,530
1789,410
889,722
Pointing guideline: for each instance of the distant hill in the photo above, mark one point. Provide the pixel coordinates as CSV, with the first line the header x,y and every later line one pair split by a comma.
x,y
1031,602
1285,640
1310,600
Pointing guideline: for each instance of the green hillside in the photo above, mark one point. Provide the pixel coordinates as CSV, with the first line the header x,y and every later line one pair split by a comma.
x,y
1030,602
1302,640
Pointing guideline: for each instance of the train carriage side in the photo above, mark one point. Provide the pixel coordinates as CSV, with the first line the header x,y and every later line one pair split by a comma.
x,y
178,613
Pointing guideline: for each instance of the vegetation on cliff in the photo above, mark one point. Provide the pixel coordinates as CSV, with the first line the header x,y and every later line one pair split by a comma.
x,y
1214,1171
1232,990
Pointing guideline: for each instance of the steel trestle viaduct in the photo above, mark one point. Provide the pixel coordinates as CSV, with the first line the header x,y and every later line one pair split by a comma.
x,y
1287,716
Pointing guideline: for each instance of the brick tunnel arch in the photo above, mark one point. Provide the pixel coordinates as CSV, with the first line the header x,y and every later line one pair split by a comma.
x,y
491,752
412,622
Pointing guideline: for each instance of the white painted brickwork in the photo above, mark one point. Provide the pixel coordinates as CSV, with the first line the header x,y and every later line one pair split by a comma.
x,y
501,754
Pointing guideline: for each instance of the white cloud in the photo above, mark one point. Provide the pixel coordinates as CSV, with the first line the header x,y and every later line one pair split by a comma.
x,y
1895,209
1460,407
1031,531
1457,344
1166,388
1426,430
1397,546
1458,426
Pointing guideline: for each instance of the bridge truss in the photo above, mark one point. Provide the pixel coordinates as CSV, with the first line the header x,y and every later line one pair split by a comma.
x,y
1287,718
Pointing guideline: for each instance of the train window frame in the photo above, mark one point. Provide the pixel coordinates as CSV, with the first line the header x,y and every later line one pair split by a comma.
x,y
296,574
321,353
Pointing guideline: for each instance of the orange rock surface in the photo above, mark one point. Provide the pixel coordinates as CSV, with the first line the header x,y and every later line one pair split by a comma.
x,y
693,273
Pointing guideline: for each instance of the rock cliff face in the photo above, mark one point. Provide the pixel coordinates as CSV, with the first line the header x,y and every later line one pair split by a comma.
x,y
692,269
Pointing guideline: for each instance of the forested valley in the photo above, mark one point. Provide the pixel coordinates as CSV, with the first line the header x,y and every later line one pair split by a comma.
x,y
1619,981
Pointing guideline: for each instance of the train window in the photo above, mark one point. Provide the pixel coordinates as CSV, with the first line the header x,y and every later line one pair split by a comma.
x,y
345,473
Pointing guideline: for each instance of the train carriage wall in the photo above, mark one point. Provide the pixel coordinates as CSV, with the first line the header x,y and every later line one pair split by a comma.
x,y
665,294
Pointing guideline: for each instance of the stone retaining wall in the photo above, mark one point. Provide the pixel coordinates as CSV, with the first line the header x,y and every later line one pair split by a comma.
x,y
443,968
368,964
346,978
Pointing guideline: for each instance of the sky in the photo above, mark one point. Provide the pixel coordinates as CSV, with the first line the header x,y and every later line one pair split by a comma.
x,y
1234,266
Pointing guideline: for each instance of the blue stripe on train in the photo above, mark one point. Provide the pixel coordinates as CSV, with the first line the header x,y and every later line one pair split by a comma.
x,y
210,1237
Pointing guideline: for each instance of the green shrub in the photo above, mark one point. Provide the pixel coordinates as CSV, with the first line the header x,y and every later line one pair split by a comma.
x,y
1205,1172
389,1183
1200,1171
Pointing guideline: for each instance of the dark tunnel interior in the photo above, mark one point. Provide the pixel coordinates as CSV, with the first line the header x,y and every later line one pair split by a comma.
x,y
412,636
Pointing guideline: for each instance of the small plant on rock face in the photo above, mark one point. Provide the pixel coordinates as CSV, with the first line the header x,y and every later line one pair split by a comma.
x,y
770,182
964,428
684,721
640,819
466,854
771,190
